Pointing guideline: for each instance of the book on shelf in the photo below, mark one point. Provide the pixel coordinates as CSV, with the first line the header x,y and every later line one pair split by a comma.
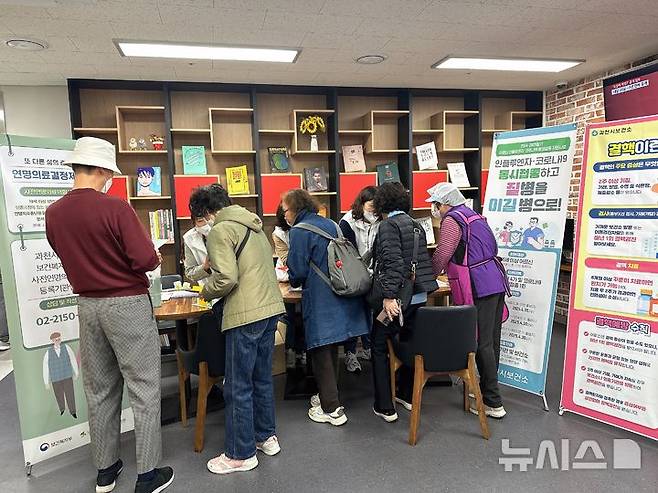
x,y
279,159
426,155
161,224
323,210
315,179
428,226
237,180
149,182
353,159
387,172
458,175
194,160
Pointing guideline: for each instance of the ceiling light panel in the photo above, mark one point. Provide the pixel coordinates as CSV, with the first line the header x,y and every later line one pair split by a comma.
x,y
506,64
206,52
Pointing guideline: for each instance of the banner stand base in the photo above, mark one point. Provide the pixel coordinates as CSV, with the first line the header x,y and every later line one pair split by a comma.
x,y
28,469
543,396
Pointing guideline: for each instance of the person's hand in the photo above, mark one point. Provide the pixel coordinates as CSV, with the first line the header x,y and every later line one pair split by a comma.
x,y
157,252
391,308
206,264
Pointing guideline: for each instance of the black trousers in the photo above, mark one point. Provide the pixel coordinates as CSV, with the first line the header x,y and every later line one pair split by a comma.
x,y
324,371
380,360
490,320
64,395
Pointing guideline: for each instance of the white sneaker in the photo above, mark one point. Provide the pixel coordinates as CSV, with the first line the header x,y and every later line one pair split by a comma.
x,y
4,346
270,446
492,412
389,418
404,404
315,400
352,362
364,354
336,418
224,465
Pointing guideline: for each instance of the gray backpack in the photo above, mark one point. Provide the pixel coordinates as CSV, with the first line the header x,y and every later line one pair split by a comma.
x,y
348,274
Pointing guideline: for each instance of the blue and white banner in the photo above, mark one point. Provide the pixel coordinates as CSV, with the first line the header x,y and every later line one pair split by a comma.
x,y
526,206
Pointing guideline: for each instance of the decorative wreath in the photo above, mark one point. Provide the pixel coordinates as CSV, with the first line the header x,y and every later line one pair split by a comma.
x,y
312,125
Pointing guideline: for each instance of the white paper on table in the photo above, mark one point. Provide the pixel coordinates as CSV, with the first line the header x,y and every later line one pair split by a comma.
x,y
442,284
458,175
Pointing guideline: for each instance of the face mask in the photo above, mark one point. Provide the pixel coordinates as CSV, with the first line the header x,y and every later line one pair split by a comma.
x,y
211,220
370,217
107,186
204,230
435,211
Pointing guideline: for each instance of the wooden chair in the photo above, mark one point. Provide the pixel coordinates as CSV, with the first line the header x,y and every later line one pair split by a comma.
x,y
207,360
444,343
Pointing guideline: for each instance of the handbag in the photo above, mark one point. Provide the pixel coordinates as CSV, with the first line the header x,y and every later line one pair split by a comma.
x,y
375,297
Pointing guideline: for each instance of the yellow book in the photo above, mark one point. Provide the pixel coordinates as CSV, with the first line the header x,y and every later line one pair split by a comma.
x,y
237,180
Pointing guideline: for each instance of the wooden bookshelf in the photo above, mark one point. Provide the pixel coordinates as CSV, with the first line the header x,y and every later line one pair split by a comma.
x,y
236,123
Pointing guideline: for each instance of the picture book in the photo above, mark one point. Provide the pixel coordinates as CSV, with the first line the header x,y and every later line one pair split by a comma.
x,y
237,180
428,226
194,160
426,155
458,175
315,179
353,159
149,182
279,159
387,172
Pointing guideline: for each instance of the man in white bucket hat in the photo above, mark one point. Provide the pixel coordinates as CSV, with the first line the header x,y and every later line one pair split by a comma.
x,y
106,253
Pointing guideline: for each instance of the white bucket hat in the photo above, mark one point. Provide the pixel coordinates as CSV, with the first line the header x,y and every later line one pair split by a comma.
x,y
446,193
91,151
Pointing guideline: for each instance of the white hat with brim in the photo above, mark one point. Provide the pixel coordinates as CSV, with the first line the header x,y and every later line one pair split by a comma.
x,y
90,151
446,193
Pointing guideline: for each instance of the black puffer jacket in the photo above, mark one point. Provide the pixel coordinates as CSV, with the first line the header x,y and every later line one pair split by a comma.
x,y
392,254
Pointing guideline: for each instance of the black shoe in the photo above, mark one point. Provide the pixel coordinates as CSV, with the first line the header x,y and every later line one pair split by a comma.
x,y
106,480
74,415
164,476
389,415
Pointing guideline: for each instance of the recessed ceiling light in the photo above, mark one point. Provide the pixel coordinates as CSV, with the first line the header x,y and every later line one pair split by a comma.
x,y
27,44
192,51
370,59
512,64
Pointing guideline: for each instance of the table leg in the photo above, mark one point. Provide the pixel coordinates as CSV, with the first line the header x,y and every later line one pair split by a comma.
x,y
182,337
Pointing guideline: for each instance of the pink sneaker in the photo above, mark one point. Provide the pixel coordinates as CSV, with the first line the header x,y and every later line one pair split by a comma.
x,y
224,465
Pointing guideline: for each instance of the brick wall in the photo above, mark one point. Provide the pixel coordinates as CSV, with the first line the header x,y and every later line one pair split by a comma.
x,y
580,102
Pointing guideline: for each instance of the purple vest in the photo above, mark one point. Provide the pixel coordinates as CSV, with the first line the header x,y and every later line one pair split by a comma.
x,y
487,273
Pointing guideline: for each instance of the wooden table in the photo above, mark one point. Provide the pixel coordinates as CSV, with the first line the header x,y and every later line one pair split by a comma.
x,y
179,309
289,296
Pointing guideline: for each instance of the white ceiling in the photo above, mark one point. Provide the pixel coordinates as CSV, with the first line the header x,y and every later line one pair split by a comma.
x,y
412,33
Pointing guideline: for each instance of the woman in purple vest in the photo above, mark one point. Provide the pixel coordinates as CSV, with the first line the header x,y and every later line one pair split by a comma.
x,y
477,250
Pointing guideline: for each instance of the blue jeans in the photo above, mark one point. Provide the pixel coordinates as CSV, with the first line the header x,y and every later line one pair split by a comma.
x,y
248,389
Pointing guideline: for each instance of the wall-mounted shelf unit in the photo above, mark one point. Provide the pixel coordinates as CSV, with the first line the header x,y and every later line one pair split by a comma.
x,y
237,123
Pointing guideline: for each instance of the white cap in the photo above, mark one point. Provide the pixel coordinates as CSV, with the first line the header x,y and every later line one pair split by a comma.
x,y
91,151
446,194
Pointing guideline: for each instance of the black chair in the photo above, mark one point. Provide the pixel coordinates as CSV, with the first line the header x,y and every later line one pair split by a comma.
x,y
169,280
207,360
443,343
